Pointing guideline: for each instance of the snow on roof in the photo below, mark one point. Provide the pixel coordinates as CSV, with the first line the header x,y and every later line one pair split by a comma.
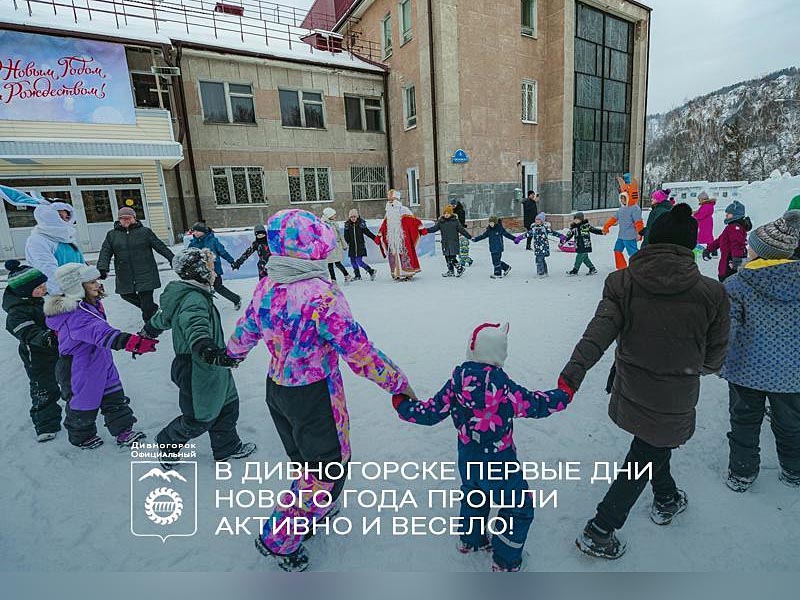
x,y
691,184
269,32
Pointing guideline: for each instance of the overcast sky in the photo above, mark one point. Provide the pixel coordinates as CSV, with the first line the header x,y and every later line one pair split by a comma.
x,y
699,46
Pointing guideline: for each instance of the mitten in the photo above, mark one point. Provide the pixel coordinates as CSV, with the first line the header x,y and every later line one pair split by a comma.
x,y
706,254
135,344
211,354
566,388
423,231
397,399
149,332
103,274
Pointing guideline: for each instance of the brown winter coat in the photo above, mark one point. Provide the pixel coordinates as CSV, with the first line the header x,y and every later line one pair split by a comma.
x,y
671,325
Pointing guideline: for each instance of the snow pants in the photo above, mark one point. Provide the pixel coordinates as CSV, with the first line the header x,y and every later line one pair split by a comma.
x,y
229,295
357,262
747,408
613,511
582,258
45,393
313,425
117,413
541,264
500,267
221,430
452,263
506,547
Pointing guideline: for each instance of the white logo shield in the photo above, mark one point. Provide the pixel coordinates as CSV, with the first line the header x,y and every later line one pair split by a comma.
x,y
163,502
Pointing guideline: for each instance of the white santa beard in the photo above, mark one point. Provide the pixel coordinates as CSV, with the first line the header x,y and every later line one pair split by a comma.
x,y
394,229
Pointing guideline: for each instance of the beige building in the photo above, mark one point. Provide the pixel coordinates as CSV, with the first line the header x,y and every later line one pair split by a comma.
x,y
538,94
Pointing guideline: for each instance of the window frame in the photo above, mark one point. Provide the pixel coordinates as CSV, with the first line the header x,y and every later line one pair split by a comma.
x,y
362,104
305,200
385,183
412,177
228,107
533,30
229,176
386,48
406,115
406,35
535,95
302,105
159,90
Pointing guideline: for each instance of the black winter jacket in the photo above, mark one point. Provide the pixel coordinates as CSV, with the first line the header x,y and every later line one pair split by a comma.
x,y
450,228
582,232
134,263
25,321
261,248
354,237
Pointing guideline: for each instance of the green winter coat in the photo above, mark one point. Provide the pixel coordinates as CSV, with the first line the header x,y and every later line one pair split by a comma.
x,y
187,308
659,209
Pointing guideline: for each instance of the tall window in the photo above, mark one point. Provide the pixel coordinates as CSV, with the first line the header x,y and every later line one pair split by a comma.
x,y
149,91
529,17
410,107
412,178
369,183
227,102
363,114
238,185
386,30
309,184
602,113
406,32
529,101
301,109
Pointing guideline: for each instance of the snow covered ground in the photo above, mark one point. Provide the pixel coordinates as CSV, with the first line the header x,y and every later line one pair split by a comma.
x,y
65,508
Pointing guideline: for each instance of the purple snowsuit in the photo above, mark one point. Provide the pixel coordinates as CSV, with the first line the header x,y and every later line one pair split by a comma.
x,y
84,343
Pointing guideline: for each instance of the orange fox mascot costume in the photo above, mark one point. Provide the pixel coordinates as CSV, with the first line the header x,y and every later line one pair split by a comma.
x,y
629,219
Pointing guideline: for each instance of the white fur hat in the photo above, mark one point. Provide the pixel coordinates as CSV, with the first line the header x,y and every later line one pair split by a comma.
x,y
489,344
328,212
71,277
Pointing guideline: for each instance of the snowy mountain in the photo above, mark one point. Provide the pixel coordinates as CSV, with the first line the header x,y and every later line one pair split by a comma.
x,y
743,131
156,472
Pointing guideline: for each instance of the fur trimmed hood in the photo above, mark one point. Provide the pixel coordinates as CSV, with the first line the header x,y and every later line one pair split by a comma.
x,y
59,305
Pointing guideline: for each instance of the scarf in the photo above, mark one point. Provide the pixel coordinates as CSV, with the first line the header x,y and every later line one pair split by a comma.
x,y
287,269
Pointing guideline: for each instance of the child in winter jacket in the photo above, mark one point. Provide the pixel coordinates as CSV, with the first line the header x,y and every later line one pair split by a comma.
x,y
86,371
581,230
732,243
306,324
450,228
705,220
38,347
203,237
201,369
355,228
496,232
761,363
260,247
335,258
538,233
483,401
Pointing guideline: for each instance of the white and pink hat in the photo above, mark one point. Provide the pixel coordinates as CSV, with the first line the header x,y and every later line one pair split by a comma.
x,y
489,344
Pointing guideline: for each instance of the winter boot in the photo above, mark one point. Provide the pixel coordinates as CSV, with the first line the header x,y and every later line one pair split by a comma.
x,y
739,483
592,271
294,562
506,271
662,512
595,541
789,479
460,270
244,449
372,275
348,278
572,272
522,566
448,274
91,443
46,437
484,545
126,438
357,277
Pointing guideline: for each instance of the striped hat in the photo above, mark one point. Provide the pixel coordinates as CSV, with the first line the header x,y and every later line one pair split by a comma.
x,y
22,280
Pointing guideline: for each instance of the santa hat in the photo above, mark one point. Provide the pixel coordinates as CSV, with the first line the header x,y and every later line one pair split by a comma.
x,y
489,344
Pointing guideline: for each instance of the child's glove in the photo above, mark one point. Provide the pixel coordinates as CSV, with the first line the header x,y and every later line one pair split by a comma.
x,y
211,354
706,254
103,274
566,388
133,343
519,238
377,240
397,399
149,332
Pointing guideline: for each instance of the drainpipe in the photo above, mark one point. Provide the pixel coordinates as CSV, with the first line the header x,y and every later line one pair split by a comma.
x,y
434,119
387,121
184,118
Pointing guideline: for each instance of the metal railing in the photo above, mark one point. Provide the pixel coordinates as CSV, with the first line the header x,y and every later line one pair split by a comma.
x,y
267,23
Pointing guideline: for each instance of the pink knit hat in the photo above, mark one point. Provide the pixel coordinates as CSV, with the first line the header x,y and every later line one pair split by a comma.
x,y
299,234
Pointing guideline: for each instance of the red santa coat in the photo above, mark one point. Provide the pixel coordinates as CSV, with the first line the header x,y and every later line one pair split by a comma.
x,y
412,230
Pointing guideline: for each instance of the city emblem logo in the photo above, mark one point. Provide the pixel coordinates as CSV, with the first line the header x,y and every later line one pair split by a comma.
x,y
163,502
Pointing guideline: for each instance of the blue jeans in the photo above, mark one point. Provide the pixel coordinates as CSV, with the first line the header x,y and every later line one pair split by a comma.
x,y
629,246
506,547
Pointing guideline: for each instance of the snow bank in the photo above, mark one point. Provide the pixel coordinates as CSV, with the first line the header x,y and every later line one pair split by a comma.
x,y
767,200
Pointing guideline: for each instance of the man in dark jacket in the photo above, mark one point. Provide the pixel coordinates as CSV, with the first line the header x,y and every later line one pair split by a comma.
x,y
530,208
132,245
671,326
